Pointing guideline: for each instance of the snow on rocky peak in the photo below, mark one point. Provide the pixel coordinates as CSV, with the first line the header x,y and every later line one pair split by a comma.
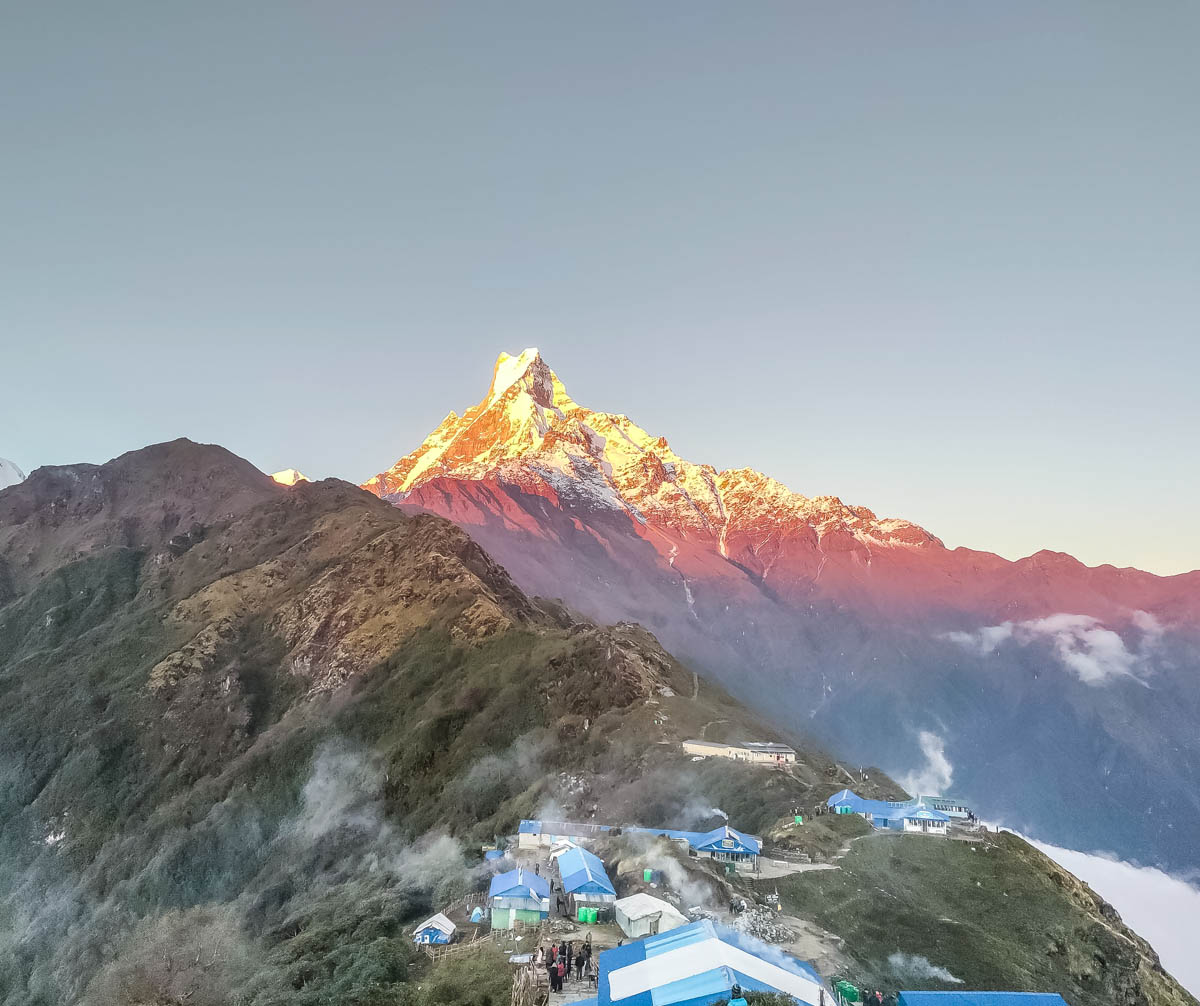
x,y
289,477
529,433
10,474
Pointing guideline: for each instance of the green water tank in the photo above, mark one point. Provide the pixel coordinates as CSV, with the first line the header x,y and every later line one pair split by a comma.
x,y
847,991
648,876
583,912
593,915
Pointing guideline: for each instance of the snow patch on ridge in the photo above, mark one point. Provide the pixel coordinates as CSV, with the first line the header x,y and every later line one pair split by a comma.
x,y
10,474
509,370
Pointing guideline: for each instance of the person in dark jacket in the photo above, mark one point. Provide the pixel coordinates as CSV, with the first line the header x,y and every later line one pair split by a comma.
x,y
579,965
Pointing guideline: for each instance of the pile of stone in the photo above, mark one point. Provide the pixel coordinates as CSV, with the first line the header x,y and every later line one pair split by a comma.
x,y
760,921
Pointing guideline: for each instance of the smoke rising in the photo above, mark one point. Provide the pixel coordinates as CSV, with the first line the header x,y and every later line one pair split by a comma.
x,y
192,911
935,776
914,967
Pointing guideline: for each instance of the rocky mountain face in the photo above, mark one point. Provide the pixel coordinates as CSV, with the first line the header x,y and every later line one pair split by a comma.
x,y
1060,698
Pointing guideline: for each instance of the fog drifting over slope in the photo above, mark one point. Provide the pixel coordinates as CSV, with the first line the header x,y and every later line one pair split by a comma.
x,y
1161,908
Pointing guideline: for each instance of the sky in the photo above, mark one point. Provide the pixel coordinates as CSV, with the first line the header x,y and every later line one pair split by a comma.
x,y
937,259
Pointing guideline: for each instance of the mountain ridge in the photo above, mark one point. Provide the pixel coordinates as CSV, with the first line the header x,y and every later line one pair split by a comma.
x,y
529,434
250,734
816,611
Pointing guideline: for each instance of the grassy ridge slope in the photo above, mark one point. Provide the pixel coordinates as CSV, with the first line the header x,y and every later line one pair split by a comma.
x,y
248,735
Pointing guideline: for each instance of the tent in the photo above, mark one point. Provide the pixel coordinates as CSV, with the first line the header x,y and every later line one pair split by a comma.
x,y
477,914
436,930
981,999
697,965
644,915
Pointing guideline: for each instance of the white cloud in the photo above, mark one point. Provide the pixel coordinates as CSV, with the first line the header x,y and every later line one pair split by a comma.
x,y
1158,907
1082,644
935,775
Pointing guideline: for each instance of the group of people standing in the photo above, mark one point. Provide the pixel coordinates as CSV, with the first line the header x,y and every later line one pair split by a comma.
x,y
560,958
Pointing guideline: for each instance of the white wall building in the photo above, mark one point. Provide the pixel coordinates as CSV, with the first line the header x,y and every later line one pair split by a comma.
x,y
644,915
756,752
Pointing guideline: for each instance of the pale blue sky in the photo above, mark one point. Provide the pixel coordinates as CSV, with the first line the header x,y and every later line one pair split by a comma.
x,y
940,259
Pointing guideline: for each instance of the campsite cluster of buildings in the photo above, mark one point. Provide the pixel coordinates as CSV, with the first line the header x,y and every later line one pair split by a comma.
x,y
924,815
521,897
669,960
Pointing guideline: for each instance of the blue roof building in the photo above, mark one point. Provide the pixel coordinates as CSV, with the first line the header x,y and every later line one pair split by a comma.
x,y
518,897
584,878
697,965
724,843
981,999
911,816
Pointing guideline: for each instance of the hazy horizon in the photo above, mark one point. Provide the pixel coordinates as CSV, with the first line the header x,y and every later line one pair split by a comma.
x,y
940,264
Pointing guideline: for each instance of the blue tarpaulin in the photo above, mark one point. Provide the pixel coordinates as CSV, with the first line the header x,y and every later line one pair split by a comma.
x,y
697,965
981,999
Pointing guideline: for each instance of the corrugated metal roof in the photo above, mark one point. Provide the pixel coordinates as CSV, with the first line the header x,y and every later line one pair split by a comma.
x,y
885,810
981,999
581,870
696,964
694,838
518,884
719,838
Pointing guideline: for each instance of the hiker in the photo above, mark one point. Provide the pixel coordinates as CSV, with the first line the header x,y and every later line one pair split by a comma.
x,y
551,973
579,966
562,971
736,998
540,959
879,997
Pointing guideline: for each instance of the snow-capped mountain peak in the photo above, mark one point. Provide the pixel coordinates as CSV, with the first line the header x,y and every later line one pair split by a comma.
x,y
289,477
10,474
530,434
